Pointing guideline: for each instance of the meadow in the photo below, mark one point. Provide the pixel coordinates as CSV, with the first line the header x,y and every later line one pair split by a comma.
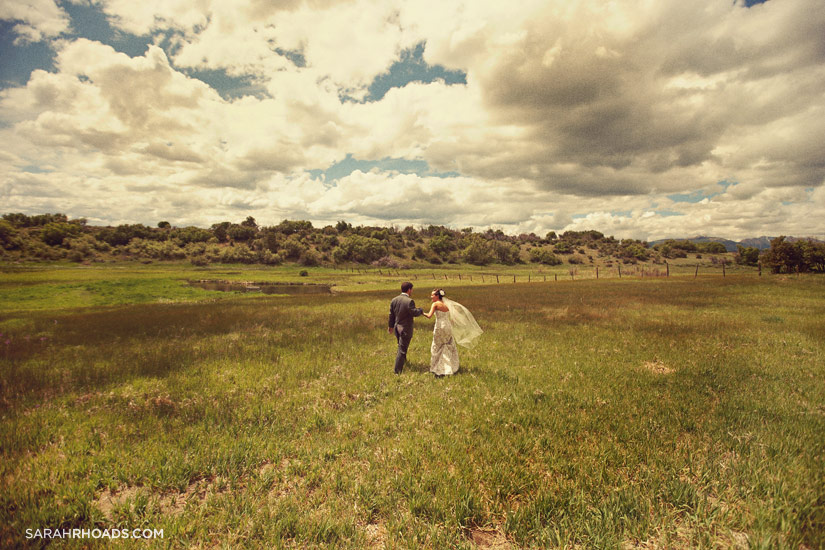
x,y
680,412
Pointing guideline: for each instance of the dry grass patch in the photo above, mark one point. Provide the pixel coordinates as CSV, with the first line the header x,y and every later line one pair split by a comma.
x,y
167,501
490,539
657,367
376,534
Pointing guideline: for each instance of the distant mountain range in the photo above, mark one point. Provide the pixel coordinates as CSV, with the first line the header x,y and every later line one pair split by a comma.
x,y
762,243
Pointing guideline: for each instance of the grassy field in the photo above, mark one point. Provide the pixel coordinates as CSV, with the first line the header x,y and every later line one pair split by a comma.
x,y
612,413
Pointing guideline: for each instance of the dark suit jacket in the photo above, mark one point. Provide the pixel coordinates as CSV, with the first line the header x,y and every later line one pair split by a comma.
x,y
402,311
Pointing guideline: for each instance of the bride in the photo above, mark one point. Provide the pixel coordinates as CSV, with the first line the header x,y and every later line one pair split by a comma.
x,y
454,324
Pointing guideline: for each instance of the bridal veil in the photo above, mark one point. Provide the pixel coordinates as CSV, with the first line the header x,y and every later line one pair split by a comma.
x,y
465,329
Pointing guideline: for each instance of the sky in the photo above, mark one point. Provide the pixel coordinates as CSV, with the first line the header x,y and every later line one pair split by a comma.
x,y
642,119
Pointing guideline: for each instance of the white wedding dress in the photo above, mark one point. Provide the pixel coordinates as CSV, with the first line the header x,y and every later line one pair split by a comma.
x,y
456,326
443,352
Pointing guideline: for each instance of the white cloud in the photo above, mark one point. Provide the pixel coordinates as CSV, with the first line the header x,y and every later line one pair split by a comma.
x,y
35,20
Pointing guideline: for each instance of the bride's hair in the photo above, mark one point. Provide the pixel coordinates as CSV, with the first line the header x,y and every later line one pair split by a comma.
x,y
440,292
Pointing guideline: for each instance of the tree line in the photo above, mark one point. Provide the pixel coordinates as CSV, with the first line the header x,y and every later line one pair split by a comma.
x,y
56,237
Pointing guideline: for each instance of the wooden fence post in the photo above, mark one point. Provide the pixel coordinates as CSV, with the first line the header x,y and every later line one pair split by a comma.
x,y
723,269
496,278
760,269
667,266
459,276
620,271
433,276
556,275
697,271
514,278
597,273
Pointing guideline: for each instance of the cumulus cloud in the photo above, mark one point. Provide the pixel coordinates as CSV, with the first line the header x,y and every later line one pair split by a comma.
x,y
35,20
579,114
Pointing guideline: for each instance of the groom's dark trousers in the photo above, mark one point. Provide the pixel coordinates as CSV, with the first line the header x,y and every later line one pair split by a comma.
x,y
402,312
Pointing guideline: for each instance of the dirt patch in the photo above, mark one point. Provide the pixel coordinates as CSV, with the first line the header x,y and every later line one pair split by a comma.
x,y
109,500
376,535
490,539
169,502
657,367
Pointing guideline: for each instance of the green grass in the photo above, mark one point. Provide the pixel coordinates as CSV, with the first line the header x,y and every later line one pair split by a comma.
x,y
643,413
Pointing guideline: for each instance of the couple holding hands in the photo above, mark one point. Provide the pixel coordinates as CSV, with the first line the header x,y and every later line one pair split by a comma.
x,y
454,324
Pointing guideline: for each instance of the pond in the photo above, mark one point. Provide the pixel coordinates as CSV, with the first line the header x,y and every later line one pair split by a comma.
x,y
264,288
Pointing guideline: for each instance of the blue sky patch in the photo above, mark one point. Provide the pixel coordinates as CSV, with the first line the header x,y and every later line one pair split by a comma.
x,y
18,62
700,195
229,87
349,165
410,67
90,22
694,197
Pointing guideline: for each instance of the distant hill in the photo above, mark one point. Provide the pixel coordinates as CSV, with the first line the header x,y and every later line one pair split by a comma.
x,y
730,245
762,243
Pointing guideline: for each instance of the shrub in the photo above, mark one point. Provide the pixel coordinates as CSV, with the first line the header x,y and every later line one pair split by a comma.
x,y
8,236
310,258
747,255
304,273
544,256
237,254
442,244
478,252
294,248
386,261
360,249
563,247
188,235
53,234
241,233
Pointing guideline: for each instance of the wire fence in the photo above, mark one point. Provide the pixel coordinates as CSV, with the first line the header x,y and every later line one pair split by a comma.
x,y
720,269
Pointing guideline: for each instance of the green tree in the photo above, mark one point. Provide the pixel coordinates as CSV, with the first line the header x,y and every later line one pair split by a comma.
x,y
360,249
478,252
54,233
294,247
289,227
8,236
747,255
783,257
241,233
544,256
442,244
220,230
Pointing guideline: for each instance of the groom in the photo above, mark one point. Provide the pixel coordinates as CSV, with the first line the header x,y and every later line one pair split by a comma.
x,y
402,311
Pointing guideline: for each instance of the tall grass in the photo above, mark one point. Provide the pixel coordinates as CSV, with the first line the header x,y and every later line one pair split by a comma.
x,y
673,413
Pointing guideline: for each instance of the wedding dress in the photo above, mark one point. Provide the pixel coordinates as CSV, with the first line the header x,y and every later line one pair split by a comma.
x,y
456,326
443,352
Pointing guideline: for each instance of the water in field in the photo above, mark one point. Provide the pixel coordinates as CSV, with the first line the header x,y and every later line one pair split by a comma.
x,y
265,288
